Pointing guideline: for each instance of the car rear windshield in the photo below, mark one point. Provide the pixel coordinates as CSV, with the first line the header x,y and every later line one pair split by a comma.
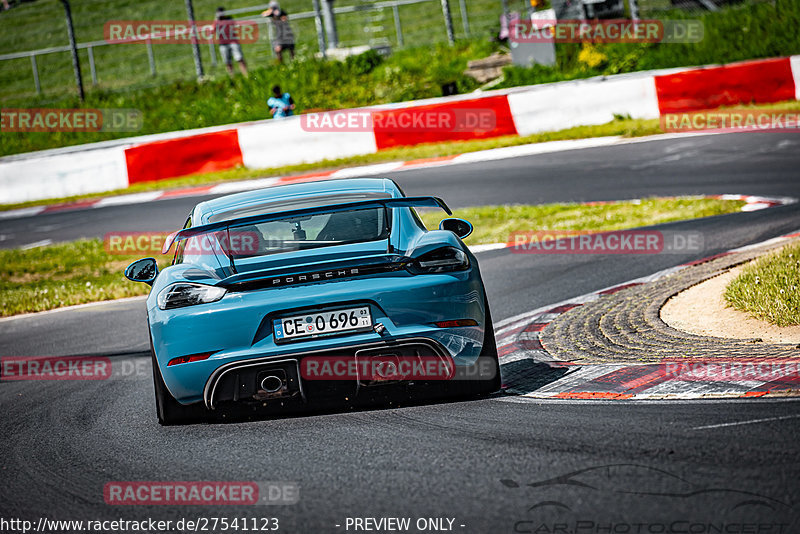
x,y
308,232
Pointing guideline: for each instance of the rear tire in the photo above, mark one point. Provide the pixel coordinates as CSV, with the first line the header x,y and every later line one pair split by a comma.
x,y
483,377
488,361
168,410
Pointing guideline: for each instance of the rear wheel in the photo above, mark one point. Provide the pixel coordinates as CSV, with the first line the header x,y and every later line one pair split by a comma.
x,y
168,410
488,363
483,377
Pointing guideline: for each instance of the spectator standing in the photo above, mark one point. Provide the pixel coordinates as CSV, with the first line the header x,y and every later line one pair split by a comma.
x,y
225,31
280,104
284,37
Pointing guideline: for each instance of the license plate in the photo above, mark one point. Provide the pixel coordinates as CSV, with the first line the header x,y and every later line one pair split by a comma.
x,y
318,323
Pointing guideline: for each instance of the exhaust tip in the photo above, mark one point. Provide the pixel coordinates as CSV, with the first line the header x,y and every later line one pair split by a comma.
x,y
271,384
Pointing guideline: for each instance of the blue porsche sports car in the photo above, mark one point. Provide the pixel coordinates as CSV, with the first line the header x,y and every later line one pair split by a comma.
x,y
305,294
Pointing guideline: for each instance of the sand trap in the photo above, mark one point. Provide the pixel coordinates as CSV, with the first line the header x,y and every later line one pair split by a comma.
x,y
701,310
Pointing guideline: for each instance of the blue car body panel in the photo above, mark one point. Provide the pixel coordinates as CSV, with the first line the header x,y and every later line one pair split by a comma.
x,y
238,327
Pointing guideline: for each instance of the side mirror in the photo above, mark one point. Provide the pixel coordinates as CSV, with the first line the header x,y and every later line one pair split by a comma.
x,y
144,270
460,227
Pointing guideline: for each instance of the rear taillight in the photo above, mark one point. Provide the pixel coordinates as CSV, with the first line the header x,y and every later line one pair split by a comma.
x,y
190,358
440,260
456,323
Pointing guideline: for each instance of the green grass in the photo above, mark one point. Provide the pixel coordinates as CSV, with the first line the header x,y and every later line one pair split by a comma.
x,y
83,271
40,24
736,33
62,275
768,288
495,224
314,85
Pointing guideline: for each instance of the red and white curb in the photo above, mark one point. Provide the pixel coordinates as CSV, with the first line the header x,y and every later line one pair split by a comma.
x,y
347,172
519,338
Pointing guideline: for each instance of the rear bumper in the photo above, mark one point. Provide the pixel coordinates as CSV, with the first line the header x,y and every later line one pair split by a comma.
x,y
237,329
239,381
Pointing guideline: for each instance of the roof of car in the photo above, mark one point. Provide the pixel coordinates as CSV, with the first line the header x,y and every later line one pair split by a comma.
x,y
285,193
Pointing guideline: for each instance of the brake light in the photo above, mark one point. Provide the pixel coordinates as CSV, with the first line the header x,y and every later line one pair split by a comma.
x,y
458,322
190,358
440,260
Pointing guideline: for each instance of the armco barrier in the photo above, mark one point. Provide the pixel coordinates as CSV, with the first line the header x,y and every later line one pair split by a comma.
x,y
272,143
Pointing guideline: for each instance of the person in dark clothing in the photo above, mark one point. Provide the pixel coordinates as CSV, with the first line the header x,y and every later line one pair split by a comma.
x,y
284,37
229,47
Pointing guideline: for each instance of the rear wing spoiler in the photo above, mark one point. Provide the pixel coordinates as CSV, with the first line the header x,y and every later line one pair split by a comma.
x,y
402,202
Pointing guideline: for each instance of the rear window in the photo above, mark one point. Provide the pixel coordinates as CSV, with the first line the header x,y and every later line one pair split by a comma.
x,y
289,204
308,232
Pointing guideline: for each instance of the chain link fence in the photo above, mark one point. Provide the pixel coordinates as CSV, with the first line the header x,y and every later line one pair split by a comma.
x,y
35,58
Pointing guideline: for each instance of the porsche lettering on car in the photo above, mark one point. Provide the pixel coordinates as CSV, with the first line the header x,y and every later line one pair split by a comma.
x,y
336,275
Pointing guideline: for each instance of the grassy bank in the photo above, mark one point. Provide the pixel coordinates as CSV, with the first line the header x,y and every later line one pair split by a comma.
x,y
314,84
768,288
495,224
82,271
62,275
731,34
40,24
735,33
